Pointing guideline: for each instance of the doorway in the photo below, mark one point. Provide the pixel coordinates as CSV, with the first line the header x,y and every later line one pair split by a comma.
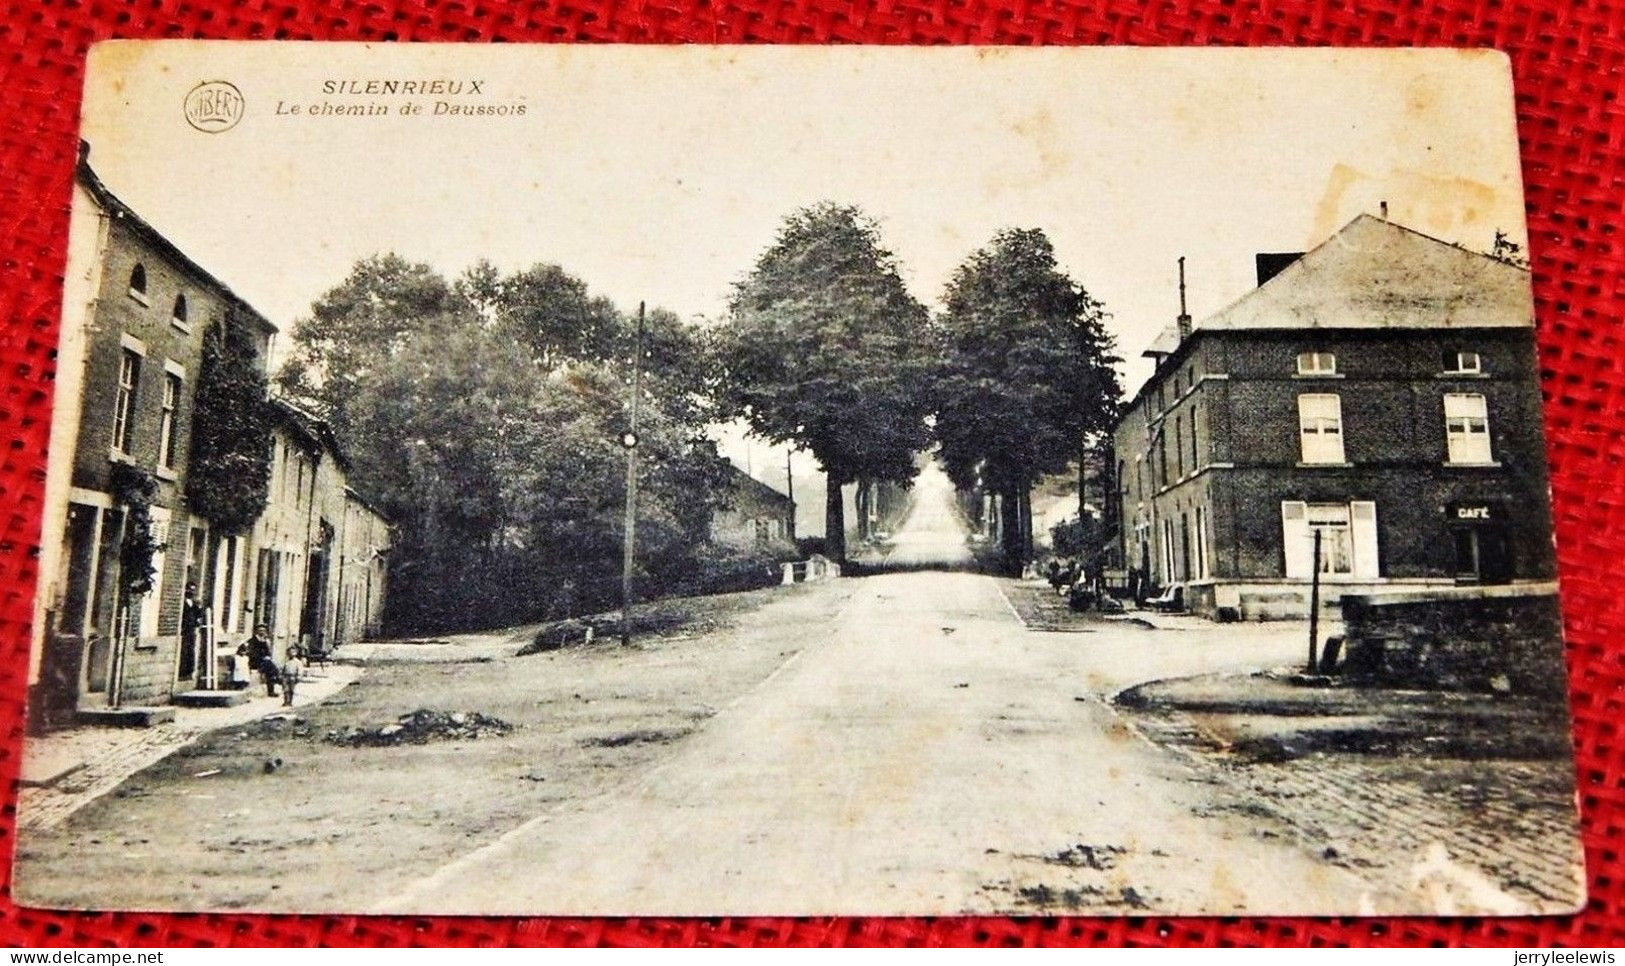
x,y
1483,554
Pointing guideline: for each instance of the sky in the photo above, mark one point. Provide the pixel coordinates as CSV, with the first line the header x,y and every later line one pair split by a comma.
x,y
661,173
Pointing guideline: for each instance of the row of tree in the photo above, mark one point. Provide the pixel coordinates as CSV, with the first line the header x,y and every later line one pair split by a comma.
x,y
825,348
483,413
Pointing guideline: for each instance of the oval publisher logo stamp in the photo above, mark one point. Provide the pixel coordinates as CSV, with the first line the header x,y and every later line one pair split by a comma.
x,y
214,106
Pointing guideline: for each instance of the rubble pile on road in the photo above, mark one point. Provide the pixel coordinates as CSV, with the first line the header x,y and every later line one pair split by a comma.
x,y
606,628
421,727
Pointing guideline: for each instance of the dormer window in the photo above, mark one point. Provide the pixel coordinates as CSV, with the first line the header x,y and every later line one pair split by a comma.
x,y
138,283
1317,364
177,315
1466,363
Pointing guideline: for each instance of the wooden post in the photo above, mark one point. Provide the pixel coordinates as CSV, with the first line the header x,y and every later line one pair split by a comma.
x,y
1314,606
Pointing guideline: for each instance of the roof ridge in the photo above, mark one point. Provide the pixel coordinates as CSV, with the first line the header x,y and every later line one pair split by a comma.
x,y
104,195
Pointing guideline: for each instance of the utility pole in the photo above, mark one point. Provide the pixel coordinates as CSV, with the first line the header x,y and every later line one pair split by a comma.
x,y
630,440
790,490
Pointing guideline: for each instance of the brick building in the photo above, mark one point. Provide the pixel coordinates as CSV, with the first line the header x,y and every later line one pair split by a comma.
x,y
136,311
317,573
1379,389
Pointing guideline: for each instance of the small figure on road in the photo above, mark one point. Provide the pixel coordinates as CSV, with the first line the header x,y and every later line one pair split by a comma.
x,y
258,651
293,668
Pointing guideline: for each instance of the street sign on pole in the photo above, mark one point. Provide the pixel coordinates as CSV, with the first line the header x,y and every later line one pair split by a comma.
x,y
630,440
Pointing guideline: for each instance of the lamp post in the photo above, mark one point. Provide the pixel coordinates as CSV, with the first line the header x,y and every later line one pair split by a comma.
x,y
629,440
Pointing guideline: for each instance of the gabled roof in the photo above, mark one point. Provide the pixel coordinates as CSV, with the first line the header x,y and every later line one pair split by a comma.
x,y
1374,274
315,431
126,215
745,482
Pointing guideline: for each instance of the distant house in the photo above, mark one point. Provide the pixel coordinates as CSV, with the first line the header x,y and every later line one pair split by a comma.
x,y
135,314
1379,390
319,549
753,515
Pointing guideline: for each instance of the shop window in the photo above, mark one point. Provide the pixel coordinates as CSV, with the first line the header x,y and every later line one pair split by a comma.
x,y
1320,426
1467,428
1317,364
1348,538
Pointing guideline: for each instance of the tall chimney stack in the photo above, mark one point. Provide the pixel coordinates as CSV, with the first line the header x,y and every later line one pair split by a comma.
x,y
1184,321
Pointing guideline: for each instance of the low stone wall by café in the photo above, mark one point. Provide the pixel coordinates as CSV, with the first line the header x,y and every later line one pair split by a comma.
x,y
1489,639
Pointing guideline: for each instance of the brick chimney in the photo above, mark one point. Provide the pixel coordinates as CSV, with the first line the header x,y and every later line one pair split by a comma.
x,y
1184,320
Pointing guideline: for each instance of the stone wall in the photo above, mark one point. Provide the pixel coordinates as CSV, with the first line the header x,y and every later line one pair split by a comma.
x,y
1507,638
149,670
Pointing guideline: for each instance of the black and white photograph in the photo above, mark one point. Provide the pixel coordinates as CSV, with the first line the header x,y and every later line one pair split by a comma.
x,y
698,481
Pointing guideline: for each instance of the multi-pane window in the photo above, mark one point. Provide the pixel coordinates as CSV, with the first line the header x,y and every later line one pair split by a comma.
x,y
1331,520
1463,362
1348,538
138,283
1317,364
1467,428
166,420
178,313
1320,425
129,380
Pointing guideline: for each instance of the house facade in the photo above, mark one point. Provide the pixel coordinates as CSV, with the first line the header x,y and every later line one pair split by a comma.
x,y
755,515
136,313
1378,391
317,573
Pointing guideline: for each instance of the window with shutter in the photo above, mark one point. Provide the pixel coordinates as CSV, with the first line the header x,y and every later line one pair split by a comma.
x,y
1366,563
1320,426
1295,538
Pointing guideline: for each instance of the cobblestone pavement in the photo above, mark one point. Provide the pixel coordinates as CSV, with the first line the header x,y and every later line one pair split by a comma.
x,y
106,756
1471,836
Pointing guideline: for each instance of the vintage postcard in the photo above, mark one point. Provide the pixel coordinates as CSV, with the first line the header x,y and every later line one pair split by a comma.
x,y
701,481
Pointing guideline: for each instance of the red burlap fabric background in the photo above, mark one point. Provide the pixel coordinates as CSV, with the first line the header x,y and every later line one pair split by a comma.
x,y
1568,63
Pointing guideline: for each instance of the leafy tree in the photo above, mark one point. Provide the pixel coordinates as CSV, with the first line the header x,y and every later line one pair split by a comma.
x,y
384,304
134,490
230,467
1027,379
825,347
550,312
486,422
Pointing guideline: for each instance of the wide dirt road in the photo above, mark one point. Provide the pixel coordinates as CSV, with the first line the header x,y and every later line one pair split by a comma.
x,y
922,753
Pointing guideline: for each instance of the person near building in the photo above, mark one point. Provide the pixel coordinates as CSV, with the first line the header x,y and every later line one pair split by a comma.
x,y
192,621
293,668
258,651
